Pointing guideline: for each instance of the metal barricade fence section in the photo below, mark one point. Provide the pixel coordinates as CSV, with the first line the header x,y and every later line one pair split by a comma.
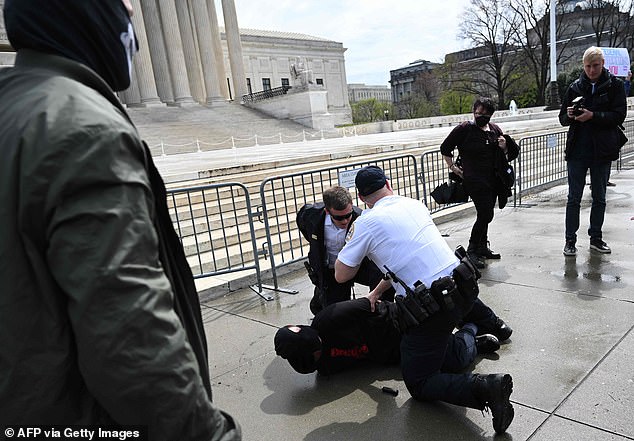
x,y
433,172
627,151
541,162
215,227
217,223
283,196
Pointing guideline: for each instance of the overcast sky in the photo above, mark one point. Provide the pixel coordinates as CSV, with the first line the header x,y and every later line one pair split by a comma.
x,y
380,35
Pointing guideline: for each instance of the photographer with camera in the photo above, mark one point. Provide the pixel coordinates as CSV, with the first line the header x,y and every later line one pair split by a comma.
x,y
398,233
593,107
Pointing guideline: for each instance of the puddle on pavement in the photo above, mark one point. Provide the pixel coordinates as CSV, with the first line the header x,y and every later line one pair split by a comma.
x,y
589,270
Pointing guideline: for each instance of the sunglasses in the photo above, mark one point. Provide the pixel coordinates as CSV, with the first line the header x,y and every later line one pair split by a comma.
x,y
340,217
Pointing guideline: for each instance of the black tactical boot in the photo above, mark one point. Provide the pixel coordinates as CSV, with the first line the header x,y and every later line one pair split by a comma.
x,y
494,391
487,343
502,331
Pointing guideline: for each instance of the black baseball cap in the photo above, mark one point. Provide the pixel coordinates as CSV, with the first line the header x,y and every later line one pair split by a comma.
x,y
369,179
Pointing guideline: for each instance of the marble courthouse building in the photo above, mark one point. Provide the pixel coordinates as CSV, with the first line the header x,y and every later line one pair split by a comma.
x,y
186,58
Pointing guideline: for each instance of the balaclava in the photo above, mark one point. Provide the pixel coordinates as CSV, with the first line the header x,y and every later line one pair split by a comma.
x,y
298,347
96,33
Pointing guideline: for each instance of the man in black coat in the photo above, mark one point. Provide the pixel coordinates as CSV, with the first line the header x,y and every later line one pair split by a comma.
x,y
325,225
594,107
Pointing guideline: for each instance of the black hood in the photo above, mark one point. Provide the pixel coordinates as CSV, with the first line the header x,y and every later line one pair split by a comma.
x,y
298,347
91,32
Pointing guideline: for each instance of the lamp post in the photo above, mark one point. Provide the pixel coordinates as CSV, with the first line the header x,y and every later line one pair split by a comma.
x,y
553,91
386,114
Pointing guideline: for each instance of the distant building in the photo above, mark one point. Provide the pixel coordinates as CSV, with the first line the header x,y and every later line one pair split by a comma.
x,y
359,92
577,33
268,56
403,79
184,59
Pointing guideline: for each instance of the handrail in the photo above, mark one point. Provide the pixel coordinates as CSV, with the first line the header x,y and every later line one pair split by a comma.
x,y
265,94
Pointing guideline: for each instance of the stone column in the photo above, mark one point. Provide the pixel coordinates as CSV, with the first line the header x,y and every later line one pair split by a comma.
x,y
142,60
206,50
174,52
192,63
234,46
157,49
131,97
219,58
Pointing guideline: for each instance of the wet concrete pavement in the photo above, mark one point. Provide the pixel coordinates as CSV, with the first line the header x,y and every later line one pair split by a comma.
x,y
570,354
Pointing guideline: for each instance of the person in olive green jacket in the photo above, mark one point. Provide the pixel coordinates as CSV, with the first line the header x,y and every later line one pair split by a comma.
x,y
99,316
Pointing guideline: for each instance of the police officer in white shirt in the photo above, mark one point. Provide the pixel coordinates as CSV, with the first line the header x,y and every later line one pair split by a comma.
x,y
398,232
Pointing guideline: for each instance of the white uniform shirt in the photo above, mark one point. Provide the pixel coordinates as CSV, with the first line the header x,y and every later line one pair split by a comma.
x,y
400,233
334,240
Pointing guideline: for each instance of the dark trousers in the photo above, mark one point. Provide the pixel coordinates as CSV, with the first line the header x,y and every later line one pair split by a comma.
x,y
482,316
424,352
599,175
483,198
461,351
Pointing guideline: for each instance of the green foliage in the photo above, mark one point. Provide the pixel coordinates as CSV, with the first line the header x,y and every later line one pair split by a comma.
x,y
454,102
565,79
416,106
370,110
524,92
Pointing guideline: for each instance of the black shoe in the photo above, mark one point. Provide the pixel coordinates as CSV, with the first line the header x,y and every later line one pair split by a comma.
x,y
611,184
495,390
502,331
599,246
570,249
486,253
487,343
476,260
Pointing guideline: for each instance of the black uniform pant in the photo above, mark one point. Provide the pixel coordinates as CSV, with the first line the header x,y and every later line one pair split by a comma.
x,y
424,350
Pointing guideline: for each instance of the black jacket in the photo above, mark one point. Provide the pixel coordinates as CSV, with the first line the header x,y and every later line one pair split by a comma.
x,y
310,221
598,138
483,164
350,332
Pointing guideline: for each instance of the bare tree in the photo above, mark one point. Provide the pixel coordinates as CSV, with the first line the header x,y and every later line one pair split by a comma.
x,y
612,22
490,26
533,36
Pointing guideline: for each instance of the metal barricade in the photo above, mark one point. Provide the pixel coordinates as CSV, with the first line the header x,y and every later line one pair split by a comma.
x,y
214,223
283,196
433,172
627,151
541,162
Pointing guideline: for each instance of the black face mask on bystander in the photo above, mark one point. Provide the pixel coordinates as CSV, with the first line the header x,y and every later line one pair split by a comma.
x,y
482,120
96,33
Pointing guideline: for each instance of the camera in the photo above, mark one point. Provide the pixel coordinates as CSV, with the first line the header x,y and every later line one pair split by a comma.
x,y
577,106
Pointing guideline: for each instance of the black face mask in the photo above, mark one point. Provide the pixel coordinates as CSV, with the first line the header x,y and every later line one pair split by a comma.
x,y
96,33
482,120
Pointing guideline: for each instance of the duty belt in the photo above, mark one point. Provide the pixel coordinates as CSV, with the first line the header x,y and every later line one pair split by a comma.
x,y
420,303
